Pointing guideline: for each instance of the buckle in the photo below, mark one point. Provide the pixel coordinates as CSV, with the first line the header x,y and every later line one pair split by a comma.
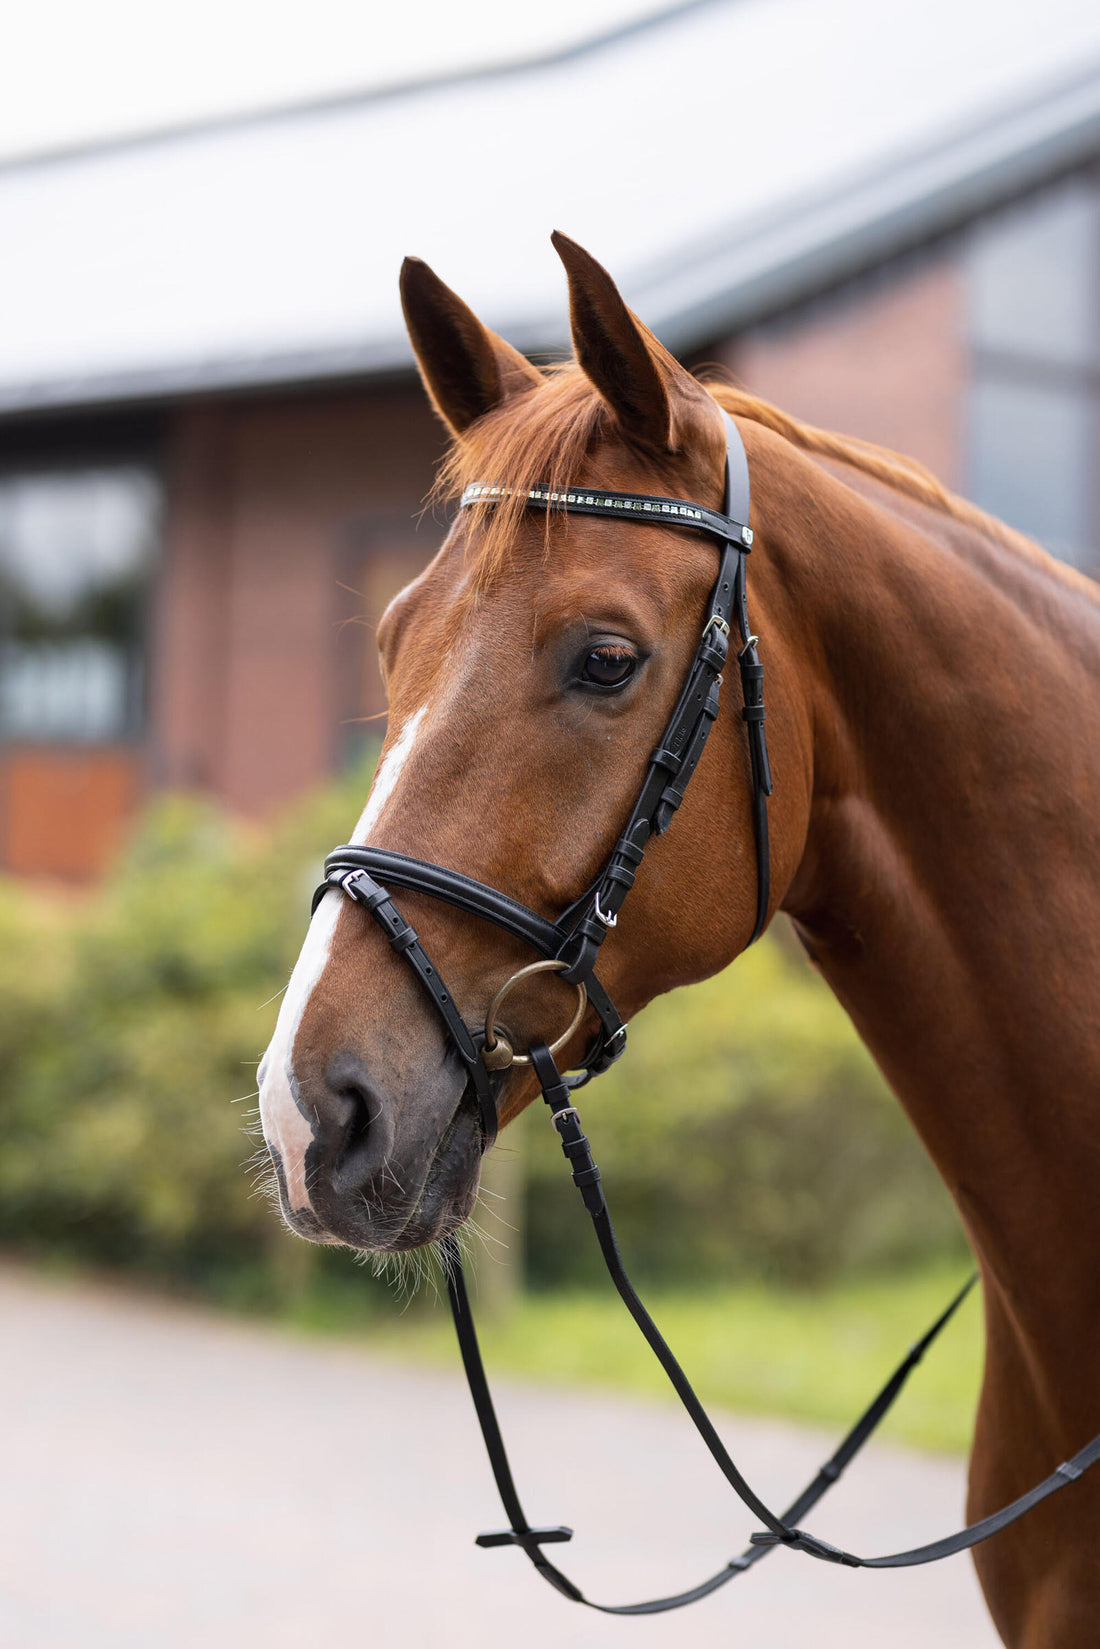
x,y
608,918
348,879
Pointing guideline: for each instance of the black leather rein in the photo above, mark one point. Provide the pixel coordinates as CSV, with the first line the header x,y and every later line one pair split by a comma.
x,y
570,945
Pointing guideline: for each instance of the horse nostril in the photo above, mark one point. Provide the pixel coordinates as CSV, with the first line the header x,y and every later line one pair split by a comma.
x,y
360,1149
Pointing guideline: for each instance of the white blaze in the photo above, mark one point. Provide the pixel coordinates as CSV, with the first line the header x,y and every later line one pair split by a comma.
x,y
283,1123
386,777
285,1128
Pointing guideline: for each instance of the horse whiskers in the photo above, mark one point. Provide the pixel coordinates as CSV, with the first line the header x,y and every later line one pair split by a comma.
x,y
272,998
264,1180
493,1213
265,1183
484,1237
473,1243
266,1186
408,1272
394,1179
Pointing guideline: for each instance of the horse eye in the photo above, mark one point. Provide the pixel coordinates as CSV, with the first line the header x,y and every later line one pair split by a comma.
x,y
609,666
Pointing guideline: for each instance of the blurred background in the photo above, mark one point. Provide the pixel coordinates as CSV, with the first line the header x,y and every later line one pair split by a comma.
x,y
214,452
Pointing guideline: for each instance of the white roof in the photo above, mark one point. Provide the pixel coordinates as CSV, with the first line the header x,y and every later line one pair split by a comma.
x,y
720,161
130,68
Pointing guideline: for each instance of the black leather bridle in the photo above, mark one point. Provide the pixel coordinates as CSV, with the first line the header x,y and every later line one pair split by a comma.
x,y
574,940
570,946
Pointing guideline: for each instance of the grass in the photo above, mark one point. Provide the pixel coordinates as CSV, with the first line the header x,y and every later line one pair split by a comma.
x,y
818,1357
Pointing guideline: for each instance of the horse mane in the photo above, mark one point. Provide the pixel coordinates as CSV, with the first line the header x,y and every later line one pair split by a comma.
x,y
518,452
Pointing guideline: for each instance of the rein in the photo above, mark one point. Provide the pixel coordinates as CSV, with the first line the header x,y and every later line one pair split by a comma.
x,y
570,946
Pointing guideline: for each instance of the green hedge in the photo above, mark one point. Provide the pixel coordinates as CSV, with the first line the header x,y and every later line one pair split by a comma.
x,y
746,1131
131,1024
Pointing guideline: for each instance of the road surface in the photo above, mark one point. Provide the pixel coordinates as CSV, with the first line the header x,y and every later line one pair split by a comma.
x,y
173,1479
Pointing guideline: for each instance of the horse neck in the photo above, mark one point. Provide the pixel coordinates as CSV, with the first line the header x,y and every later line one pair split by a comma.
x,y
949,889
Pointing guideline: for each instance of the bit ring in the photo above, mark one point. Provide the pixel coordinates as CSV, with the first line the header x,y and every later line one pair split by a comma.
x,y
499,1046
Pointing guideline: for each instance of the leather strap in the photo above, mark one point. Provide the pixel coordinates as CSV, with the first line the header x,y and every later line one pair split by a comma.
x,y
828,1474
685,735
752,713
782,1529
738,491
476,898
640,507
670,768
403,937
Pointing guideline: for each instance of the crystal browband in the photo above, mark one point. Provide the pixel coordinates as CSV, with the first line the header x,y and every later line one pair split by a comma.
x,y
593,501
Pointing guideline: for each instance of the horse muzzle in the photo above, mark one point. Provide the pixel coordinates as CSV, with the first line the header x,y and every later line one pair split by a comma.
x,y
378,1173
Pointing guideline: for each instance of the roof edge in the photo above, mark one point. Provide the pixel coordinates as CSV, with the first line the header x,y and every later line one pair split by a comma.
x,y
746,276
743,277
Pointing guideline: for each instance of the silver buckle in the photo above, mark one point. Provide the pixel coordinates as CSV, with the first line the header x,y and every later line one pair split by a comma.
x,y
566,1111
718,622
609,920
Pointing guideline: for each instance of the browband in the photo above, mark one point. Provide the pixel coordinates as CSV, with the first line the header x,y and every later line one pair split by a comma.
x,y
663,512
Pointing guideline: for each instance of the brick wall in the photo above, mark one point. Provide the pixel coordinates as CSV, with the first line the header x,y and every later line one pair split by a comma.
x,y
288,527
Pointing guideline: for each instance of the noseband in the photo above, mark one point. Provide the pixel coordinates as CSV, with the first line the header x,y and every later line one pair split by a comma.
x,y
570,948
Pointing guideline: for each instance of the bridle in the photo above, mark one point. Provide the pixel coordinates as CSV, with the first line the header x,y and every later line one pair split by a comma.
x,y
570,947
572,943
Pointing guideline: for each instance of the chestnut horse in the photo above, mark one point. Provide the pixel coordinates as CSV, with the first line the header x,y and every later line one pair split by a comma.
x,y
934,729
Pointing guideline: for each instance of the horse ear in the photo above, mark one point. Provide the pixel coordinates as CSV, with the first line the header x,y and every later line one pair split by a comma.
x,y
467,370
653,398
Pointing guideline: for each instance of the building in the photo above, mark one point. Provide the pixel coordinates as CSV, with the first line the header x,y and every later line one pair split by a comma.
x,y
212,443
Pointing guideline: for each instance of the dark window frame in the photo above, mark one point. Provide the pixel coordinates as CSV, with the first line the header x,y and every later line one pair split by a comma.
x,y
70,447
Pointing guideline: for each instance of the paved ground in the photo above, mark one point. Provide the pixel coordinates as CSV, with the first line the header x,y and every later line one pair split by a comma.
x,y
170,1479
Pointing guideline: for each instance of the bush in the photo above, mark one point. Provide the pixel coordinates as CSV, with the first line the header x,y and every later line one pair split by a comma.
x,y
131,1024
746,1131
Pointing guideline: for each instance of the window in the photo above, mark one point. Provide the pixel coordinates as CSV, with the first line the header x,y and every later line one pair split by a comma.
x,y
1033,278
76,560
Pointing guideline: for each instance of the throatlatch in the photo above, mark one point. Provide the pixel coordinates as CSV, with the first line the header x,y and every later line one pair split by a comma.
x,y
571,946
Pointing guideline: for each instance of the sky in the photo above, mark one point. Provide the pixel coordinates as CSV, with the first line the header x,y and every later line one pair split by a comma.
x,y
72,71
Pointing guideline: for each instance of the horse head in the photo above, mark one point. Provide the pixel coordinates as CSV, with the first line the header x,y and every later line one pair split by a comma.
x,y
530,670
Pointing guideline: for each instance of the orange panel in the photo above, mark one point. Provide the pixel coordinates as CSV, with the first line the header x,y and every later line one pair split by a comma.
x,y
66,810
